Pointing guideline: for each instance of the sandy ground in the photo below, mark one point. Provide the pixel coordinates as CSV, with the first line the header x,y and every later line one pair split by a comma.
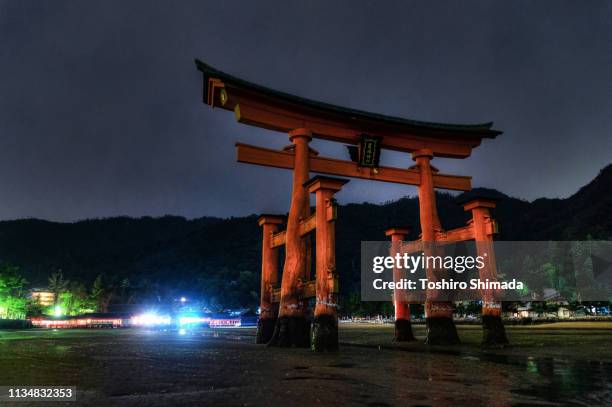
x,y
545,366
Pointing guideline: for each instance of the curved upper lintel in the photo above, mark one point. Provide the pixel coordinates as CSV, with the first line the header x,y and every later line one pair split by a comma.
x,y
267,108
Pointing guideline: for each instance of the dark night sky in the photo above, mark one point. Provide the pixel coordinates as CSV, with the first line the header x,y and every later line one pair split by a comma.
x,y
101,113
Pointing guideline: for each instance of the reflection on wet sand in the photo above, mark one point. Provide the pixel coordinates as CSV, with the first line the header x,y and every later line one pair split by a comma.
x,y
206,367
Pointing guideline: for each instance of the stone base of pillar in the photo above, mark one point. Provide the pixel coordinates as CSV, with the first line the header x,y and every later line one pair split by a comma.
x,y
441,331
291,332
403,331
265,330
493,331
325,333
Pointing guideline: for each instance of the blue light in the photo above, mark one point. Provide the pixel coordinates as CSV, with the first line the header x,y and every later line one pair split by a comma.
x,y
189,320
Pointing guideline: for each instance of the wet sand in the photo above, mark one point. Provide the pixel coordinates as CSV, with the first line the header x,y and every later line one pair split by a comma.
x,y
545,366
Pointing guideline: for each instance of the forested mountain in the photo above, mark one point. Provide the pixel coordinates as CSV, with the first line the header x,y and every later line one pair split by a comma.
x,y
213,257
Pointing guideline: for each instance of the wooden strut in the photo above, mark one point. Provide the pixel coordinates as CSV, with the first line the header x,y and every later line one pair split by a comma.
x,y
306,226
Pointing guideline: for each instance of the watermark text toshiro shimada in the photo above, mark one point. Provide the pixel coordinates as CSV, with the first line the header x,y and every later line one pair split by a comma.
x,y
446,284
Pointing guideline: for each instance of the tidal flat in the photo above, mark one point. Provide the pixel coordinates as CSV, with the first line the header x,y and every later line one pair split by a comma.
x,y
555,364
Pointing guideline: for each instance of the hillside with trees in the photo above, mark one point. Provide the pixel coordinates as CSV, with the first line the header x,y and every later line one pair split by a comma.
x,y
136,260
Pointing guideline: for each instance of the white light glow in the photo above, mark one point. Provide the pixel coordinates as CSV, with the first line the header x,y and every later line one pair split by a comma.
x,y
151,319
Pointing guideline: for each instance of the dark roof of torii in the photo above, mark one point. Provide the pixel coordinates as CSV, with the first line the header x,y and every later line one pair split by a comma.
x,y
481,130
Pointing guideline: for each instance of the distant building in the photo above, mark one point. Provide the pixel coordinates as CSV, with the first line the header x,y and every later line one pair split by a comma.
x,y
563,312
42,297
525,312
92,320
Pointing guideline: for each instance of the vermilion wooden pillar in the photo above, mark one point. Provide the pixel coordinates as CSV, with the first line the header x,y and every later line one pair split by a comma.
x,y
494,332
325,324
293,324
438,314
269,278
403,327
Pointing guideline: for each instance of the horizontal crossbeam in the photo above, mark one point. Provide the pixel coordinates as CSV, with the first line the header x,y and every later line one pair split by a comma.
x,y
307,290
457,235
461,234
331,166
306,226
466,232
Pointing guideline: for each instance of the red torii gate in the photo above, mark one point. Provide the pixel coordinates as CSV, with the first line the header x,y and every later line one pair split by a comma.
x,y
303,119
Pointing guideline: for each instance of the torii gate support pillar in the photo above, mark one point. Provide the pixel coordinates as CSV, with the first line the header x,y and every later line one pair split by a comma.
x,y
441,329
325,324
403,326
293,323
494,332
269,278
